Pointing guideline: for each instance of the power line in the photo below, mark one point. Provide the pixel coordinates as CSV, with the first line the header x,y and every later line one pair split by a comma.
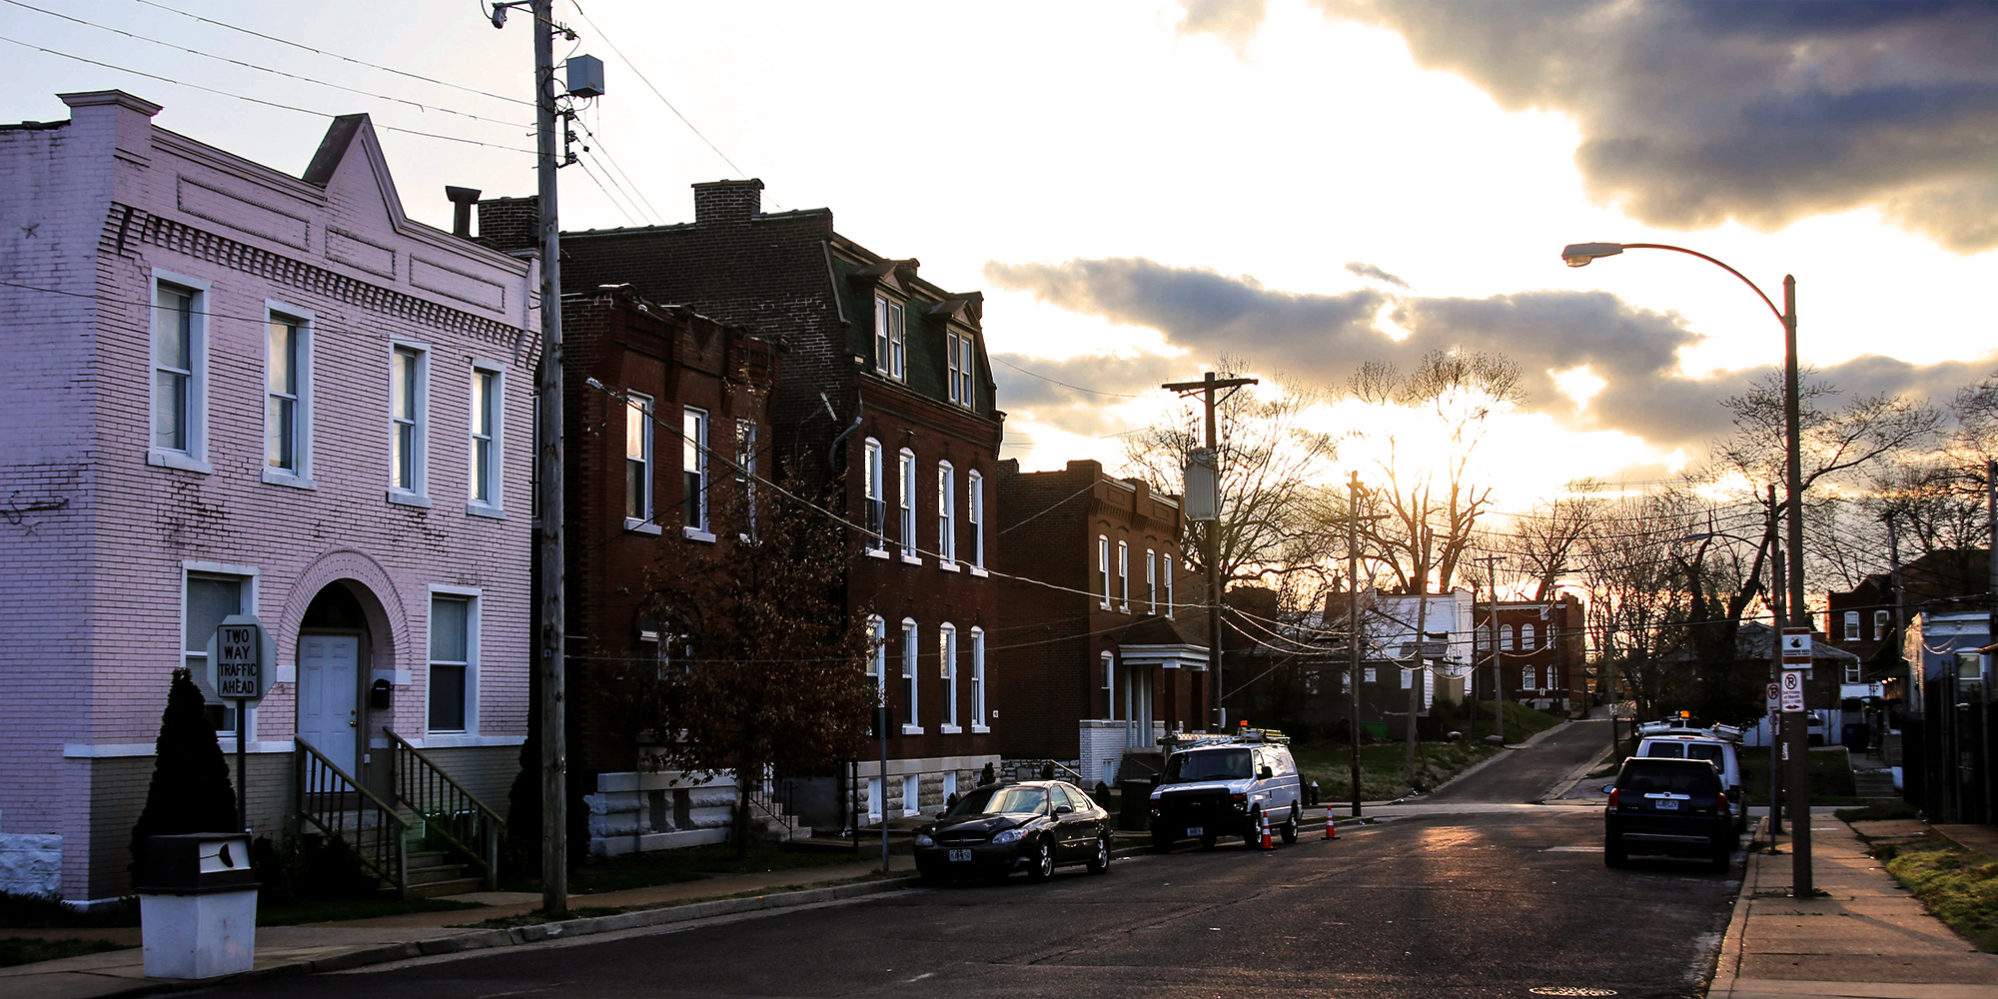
x,y
642,78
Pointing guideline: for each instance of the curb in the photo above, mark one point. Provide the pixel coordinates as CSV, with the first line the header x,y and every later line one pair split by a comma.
x,y
1728,963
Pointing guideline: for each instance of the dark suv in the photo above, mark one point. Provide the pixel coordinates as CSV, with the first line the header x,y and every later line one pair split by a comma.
x,y
1670,806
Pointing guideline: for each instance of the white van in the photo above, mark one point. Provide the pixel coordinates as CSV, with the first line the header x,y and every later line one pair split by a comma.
x,y
1720,752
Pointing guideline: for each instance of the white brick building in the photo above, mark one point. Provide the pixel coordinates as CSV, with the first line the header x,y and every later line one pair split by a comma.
x,y
228,389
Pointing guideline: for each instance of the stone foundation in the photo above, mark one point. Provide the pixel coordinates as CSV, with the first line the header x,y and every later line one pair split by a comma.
x,y
30,864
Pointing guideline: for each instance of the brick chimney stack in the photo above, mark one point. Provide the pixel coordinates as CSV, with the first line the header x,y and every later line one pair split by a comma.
x,y
728,200
510,223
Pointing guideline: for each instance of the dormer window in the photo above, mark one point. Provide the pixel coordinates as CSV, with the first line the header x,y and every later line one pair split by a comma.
x,y
961,365
891,349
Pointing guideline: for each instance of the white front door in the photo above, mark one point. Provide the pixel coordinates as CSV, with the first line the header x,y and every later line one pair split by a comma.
x,y
328,695
1138,706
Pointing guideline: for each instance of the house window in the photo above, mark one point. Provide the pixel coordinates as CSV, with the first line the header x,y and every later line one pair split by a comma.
x,y
1508,637
957,348
745,473
1107,666
454,655
912,723
1124,577
947,674
890,346
911,786
1852,626
487,391
874,803
1881,620
1103,567
877,654
877,503
908,501
1168,583
978,679
287,399
1530,633
947,514
694,472
1529,677
208,598
637,460
409,421
1854,672
1151,581
976,515
180,376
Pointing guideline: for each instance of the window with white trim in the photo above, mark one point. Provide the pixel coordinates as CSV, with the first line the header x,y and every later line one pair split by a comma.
x,y
208,597
1852,626
1103,567
908,501
1881,621
891,350
912,722
488,394
694,472
875,791
976,515
180,375
1107,668
1530,634
876,497
1124,577
946,514
1170,565
947,674
1508,637
409,421
1529,676
877,654
287,398
978,718
1151,581
911,787
454,658
637,460
745,474
960,363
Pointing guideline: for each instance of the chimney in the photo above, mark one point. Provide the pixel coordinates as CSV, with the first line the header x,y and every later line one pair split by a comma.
x,y
510,223
462,200
728,200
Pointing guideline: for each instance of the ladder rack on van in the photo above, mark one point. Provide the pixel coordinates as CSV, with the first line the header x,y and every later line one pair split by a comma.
x,y
1176,741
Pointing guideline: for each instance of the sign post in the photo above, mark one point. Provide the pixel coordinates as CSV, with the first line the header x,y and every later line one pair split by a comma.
x,y
241,658
1796,750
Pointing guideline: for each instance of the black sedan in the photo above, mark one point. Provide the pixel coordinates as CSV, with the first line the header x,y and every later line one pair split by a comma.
x,y
1031,826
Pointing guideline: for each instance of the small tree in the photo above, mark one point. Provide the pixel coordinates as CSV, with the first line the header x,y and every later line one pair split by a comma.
x,y
190,792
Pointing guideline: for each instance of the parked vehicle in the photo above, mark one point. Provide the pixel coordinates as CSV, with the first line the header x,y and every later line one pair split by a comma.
x,y
1668,806
1225,788
1032,826
1724,755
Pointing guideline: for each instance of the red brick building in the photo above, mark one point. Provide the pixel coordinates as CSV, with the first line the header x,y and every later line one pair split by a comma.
x,y
1099,659
885,411
1541,653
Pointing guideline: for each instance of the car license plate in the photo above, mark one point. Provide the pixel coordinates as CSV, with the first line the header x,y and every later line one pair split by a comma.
x,y
1195,831
1668,804
960,856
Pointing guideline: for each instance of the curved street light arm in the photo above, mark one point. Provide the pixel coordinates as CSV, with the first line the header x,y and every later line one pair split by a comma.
x,y
1717,263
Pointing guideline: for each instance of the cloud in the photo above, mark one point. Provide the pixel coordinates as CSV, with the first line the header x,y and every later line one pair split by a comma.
x,y
1374,273
1693,114
1322,339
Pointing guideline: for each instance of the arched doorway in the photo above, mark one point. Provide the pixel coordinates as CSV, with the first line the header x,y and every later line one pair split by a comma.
x,y
333,653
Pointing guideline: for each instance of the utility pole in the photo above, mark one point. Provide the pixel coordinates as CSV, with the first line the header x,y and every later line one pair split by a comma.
x,y
1421,659
1212,547
1354,632
1990,634
1498,673
1775,667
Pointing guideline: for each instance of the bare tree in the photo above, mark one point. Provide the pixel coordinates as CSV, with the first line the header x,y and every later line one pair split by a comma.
x,y
1546,544
1638,594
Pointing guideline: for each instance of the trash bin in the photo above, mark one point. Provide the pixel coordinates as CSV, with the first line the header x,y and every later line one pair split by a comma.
x,y
198,905
1852,735
1135,815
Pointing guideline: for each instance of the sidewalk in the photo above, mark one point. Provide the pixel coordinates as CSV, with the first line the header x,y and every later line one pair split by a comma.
x,y
1864,936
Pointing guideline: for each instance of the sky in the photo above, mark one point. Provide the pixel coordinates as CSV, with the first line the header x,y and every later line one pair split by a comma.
x,y
1142,186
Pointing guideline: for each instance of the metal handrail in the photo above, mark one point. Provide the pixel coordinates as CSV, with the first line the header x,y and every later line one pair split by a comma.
x,y
771,797
323,794
448,808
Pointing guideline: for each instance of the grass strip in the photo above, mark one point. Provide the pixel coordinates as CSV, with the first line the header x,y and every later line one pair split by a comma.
x,y
1959,886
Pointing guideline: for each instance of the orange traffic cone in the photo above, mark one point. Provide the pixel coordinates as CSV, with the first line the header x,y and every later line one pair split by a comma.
x,y
1331,832
1267,845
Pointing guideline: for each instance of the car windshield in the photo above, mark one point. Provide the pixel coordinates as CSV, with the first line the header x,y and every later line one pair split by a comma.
x,y
1680,779
1223,764
1002,801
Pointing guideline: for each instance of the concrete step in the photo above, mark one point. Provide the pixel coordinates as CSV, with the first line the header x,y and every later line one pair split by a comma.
x,y
438,889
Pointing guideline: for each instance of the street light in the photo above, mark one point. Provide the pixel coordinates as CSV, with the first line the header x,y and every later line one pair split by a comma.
x,y
1581,255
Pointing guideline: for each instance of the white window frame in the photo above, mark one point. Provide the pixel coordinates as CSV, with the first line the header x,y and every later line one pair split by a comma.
x,y
891,338
906,472
1852,626
1103,568
1882,621
197,660
1170,564
473,598
299,321
1124,577
746,433
417,491
1529,677
1109,664
975,490
192,454
912,687
979,722
912,789
877,802
959,364
1151,581
1529,635
947,678
638,410
874,499
695,431
1508,638
492,439
877,654
946,517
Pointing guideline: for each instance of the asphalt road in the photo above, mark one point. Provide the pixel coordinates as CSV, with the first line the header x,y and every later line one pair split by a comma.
x,y
1446,899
